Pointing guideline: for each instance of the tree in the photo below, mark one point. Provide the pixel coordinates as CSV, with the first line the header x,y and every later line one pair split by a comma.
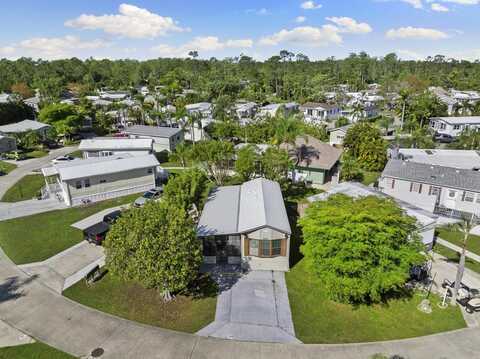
x,y
181,154
63,117
246,164
464,227
155,245
469,139
22,89
350,170
215,157
27,140
287,129
275,164
11,112
361,249
364,143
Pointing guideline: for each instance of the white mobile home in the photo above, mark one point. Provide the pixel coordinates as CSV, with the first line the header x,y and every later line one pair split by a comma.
x,y
25,126
107,146
164,138
97,179
454,126
319,112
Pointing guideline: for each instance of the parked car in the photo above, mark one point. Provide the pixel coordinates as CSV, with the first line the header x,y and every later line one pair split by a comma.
x,y
63,159
112,217
150,195
444,138
96,234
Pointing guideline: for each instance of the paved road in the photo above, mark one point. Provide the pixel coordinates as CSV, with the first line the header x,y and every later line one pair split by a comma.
x,y
27,208
253,307
452,246
26,167
29,306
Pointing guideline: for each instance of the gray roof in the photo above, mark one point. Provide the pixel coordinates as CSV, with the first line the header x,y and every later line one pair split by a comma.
x,y
100,166
240,209
118,144
152,131
435,175
23,126
465,159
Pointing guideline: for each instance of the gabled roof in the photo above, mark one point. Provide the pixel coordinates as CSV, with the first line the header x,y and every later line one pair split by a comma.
x,y
99,166
241,209
152,131
23,126
468,180
470,120
116,144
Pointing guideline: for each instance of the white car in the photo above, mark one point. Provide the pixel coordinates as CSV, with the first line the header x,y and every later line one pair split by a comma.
x,y
63,159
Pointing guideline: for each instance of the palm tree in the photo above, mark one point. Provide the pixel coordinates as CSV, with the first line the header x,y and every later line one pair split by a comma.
x,y
465,227
357,112
404,97
182,154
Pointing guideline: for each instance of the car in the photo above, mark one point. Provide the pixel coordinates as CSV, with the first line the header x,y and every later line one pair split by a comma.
x,y
63,159
444,138
112,217
150,195
96,234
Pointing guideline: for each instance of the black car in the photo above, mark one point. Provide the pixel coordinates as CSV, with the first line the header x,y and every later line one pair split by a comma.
x,y
112,217
96,233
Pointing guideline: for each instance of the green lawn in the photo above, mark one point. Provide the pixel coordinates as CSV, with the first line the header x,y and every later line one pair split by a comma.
x,y
320,320
36,153
76,154
454,257
131,301
26,188
7,167
40,236
32,351
449,234
370,177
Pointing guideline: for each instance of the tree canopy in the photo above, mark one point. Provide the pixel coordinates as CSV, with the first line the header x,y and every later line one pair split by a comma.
x,y
361,249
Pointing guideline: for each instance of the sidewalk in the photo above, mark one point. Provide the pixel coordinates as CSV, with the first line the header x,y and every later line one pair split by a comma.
x,y
456,248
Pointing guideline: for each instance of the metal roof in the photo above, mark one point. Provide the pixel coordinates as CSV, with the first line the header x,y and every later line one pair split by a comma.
x,y
98,167
23,126
449,158
116,144
239,209
465,120
435,175
152,131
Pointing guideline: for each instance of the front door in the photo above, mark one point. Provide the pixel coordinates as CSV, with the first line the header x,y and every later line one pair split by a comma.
x,y
222,254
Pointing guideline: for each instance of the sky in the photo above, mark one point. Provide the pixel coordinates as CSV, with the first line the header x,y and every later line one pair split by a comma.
x,y
144,29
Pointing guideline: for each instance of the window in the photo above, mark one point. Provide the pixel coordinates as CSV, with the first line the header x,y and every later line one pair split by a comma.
x,y
78,184
150,171
452,194
103,181
416,187
209,247
233,246
468,196
86,183
266,248
276,247
434,191
456,127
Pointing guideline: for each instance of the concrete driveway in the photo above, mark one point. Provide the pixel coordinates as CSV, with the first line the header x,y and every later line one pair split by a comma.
x,y
96,218
28,166
29,207
253,307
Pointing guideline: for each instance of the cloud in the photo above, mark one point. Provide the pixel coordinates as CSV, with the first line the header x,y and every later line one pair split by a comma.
x,y
410,55
310,5
7,51
416,33
349,25
200,44
417,4
131,22
58,47
462,2
439,7
262,11
300,19
306,35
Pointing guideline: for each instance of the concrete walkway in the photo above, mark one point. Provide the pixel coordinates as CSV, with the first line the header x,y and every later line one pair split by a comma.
x,y
27,208
68,267
10,337
31,307
456,248
253,307
96,218
28,166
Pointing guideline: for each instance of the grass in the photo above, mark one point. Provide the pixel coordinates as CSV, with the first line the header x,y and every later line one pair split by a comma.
x,y
369,177
7,167
454,257
455,237
35,154
26,188
76,154
320,320
52,231
32,351
131,301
